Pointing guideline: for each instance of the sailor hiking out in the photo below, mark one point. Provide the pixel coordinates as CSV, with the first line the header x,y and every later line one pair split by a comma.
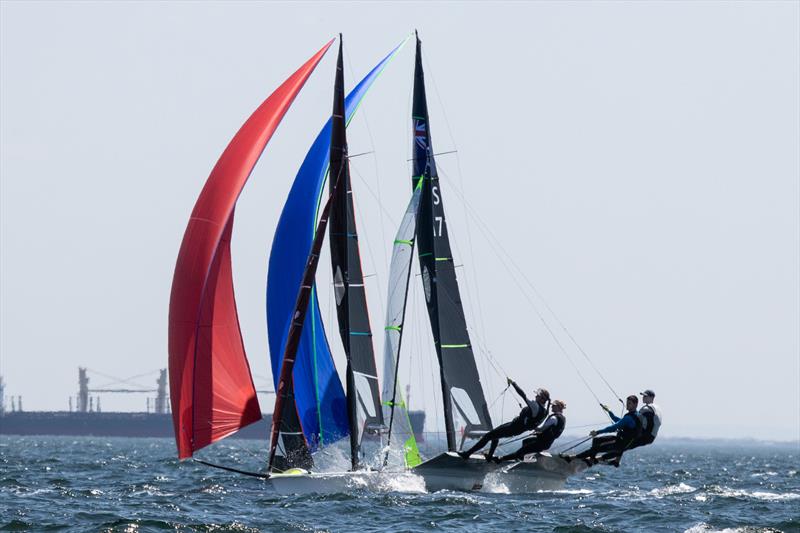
x,y
531,415
628,429
650,415
544,435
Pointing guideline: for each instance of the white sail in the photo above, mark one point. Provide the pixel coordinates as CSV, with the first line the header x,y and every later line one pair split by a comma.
x,y
403,446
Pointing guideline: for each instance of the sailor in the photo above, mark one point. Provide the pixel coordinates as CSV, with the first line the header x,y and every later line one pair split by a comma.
x,y
650,415
529,417
628,429
543,437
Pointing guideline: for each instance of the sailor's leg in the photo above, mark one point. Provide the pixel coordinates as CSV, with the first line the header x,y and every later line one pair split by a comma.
x,y
497,433
493,447
531,447
483,441
614,454
518,455
597,445
642,441
609,444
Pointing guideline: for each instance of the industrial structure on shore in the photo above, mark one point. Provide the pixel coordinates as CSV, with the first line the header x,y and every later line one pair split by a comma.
x,y
86,417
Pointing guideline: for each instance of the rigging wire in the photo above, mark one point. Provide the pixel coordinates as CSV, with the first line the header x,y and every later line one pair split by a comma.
x,y
362,107
505,258
472,289
501,395
231,469
461,179
510,258
366,240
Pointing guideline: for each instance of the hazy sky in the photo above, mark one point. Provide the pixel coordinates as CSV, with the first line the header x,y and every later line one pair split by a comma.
x,y
639,162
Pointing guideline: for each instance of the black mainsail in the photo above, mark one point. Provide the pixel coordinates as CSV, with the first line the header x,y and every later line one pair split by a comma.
x,y
363,397
461,384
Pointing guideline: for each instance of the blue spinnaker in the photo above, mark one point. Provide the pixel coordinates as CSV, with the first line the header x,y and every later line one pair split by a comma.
x,y
319,394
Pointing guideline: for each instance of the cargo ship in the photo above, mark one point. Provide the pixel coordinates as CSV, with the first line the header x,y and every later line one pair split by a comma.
x,y
88,420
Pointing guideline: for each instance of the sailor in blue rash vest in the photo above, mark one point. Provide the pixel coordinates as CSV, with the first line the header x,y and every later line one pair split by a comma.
x,y
528,418
544,435
628,429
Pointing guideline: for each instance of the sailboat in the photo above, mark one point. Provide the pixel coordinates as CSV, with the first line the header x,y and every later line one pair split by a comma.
x,y
290,456
462,391
211,386
212,391
425,226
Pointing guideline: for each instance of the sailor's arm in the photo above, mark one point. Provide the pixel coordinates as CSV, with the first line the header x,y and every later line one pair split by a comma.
x,y
624,422
518,389
610,414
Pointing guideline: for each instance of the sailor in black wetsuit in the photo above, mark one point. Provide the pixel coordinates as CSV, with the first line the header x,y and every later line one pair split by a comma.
x,y
531,416
544,436
650,415
628,429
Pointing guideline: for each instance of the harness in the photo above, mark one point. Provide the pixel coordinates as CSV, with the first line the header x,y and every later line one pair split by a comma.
x,y
648,414
549,435
625,435
529,421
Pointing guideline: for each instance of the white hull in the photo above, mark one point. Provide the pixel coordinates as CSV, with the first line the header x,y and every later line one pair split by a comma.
x,y
302,482
448,471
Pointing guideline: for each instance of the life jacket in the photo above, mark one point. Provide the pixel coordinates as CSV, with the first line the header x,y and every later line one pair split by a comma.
x,y
529,421
549,435
651,421
626,435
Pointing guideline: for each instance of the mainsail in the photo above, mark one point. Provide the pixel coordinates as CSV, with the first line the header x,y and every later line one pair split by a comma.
x,y
211,388
285,421
363,400
400,433
461,384
319,395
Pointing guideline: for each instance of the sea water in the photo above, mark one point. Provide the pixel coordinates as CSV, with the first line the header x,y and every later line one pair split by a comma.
x,y
127,485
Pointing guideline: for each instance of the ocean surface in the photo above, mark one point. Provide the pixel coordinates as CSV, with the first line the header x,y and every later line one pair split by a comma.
x,y
131,485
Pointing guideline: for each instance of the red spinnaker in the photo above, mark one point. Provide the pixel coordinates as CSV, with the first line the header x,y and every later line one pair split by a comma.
x,y
211,388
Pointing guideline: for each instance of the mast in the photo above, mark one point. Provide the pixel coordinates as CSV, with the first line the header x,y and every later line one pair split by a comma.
x,y
319,395
363,397
285,419
461,385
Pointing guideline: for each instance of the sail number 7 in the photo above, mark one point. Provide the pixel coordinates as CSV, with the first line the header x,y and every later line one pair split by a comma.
x,y
437,201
